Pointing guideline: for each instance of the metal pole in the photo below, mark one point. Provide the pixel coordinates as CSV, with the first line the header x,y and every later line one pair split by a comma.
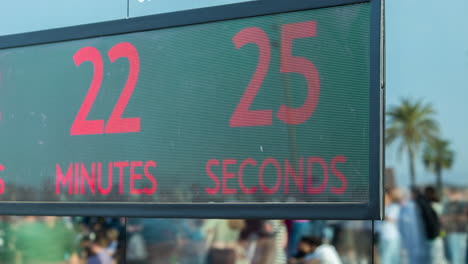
x,y
372,243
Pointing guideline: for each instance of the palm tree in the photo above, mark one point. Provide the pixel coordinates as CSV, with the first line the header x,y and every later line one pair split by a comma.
x,y
411,123
437,157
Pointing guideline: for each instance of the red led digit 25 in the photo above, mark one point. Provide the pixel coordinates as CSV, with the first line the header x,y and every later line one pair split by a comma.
x,y
242,116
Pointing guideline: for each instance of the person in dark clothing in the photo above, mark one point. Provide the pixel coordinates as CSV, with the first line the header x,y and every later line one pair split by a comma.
x,y
430,218
304,248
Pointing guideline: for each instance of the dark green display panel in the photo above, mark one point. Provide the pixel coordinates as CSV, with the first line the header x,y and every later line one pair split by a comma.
x,y
188,147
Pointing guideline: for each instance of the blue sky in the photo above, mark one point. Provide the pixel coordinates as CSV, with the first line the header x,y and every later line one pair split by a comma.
x,y
427,58
31,15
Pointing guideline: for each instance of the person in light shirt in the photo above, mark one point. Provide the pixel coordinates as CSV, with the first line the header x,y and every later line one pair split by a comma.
x,y
321,253
390,239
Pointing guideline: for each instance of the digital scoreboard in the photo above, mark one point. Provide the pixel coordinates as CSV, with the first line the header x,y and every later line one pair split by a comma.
x,y
258,109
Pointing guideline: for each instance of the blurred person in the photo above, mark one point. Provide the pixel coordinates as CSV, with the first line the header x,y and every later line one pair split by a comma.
x,y
390,240
344,236
281,241
110,228
136,251
454,220
98,253
193,249
365,246
436,245
249,237
7,252
112,236
162,238
298,229
304,248
85,248
45,242
94,224
223,240
121,239
430,222
321,253
265,249
412,231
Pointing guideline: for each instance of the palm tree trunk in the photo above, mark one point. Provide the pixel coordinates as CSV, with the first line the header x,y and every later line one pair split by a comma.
x,y
439,181
411,164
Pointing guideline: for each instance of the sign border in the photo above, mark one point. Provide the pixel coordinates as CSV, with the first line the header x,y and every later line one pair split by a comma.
x,y
373,210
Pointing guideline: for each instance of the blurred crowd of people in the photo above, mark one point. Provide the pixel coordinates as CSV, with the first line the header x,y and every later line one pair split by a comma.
x,y
238,241
62,240
105,240
421,228
418,228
